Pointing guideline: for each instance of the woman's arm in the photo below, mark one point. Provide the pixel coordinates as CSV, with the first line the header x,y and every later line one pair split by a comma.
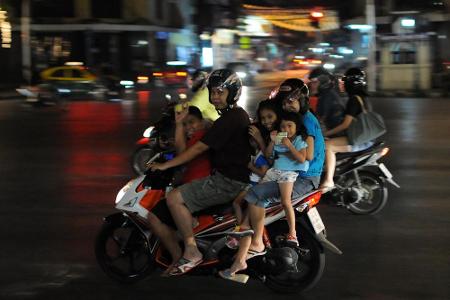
x,y
341,127
310,148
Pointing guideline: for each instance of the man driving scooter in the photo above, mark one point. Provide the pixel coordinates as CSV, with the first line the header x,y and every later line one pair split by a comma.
x,y
230,150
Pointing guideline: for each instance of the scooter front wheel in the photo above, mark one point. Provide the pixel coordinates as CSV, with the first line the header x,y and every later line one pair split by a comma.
x,y
140,158
123,252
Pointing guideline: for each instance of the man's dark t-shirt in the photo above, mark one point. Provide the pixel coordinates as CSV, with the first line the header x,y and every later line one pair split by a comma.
x,y
229,144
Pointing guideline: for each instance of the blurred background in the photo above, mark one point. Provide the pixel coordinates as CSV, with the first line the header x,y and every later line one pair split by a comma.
x,y
402,44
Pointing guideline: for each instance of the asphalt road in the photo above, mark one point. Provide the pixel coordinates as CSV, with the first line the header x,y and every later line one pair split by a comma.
x,y
60,172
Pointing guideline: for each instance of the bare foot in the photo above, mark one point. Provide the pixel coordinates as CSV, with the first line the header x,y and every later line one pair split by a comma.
x,y
166,272
237,266
191,253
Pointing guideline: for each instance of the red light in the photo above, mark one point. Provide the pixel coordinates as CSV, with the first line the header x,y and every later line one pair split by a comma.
x,y
313,199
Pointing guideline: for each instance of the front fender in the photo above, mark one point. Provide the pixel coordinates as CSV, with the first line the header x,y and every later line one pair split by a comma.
x,y
143,141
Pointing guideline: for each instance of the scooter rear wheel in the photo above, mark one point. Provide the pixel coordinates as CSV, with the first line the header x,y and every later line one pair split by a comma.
x,y
374,194
310,264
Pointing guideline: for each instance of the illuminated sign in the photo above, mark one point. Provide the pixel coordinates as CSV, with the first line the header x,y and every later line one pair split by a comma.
x,y
5,30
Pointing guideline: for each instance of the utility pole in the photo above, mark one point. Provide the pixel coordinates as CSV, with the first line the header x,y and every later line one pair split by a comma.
x,y
371,62
25,34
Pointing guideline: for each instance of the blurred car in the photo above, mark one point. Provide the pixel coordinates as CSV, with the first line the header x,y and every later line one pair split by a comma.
x,y
245,70
168,75
301,62
70,81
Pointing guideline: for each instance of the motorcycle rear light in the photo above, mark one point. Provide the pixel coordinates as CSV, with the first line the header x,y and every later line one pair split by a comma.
x,y
313,199
384,151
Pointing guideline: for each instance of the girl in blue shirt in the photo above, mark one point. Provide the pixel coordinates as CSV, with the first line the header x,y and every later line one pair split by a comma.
x,y
289,159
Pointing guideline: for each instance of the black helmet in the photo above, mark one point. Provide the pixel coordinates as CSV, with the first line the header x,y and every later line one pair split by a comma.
x,y
292,89
325,78
225,78
355,81
198,80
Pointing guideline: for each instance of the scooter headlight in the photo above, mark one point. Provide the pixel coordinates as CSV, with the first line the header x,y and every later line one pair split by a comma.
x,y
148,131
123,191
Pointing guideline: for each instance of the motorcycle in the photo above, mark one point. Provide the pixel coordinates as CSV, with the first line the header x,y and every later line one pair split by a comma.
x,y
127,251
360,180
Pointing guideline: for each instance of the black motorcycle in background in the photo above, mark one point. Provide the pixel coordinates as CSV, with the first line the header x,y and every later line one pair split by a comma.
x,y
361,180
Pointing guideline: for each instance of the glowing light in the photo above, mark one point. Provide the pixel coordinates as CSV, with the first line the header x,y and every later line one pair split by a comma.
x,y
176,63
362,27
317,14
329,66
241,74
142,79
408,22
207,57
126,82
74,63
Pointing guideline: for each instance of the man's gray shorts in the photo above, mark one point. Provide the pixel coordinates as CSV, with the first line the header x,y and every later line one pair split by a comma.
x,y
266,193
209,191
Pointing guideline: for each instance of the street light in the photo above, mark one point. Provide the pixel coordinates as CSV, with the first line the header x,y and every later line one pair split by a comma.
x,y
315,17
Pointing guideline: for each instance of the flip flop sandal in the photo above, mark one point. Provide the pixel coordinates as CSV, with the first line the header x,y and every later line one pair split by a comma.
x,y
183,266
241,278
252,253
291,240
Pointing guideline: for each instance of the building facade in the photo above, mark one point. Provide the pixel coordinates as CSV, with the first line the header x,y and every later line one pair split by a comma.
x,y
125,34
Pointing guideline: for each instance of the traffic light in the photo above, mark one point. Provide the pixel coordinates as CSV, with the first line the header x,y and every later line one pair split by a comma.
x,y
315,17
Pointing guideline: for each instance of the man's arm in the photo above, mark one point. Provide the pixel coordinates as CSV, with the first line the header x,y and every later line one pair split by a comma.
x,y
190,153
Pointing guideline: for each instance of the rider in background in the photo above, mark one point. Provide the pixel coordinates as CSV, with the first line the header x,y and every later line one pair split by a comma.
x,y
330,109
200,99
356,87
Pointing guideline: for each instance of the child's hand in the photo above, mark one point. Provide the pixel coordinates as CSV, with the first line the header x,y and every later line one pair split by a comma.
x,y
254,132
287,142
273,135
180,116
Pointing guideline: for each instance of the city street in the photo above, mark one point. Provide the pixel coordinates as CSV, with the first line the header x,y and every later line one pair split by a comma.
x,y
60,171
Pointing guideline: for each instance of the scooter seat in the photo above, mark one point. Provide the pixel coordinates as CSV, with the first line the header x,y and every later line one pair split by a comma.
x,y
221,209
344,155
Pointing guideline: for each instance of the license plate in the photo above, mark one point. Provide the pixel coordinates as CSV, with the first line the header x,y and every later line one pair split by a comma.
x,y
385,170
316,220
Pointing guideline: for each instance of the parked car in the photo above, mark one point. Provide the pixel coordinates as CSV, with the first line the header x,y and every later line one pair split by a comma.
x,y
245,70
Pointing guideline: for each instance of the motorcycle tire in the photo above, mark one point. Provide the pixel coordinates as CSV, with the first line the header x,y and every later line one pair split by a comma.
x,y
123,252
140,157
310,264
375,194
